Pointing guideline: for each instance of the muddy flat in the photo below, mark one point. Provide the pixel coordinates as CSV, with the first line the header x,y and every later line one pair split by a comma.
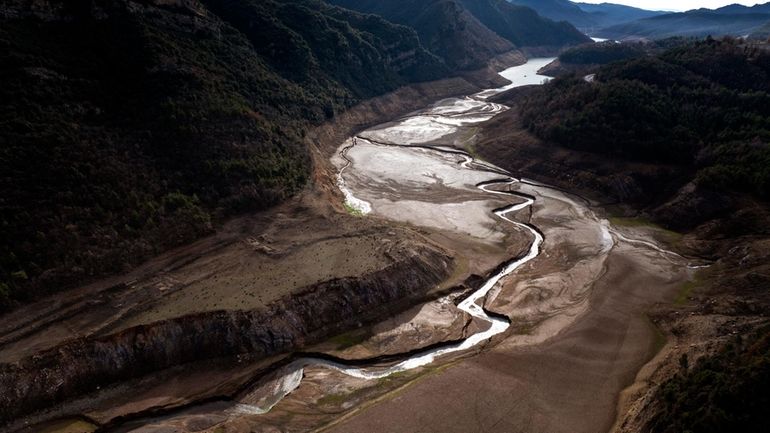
x,y
569,383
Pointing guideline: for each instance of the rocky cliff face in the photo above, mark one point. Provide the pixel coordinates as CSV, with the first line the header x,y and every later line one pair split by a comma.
x,y
82,366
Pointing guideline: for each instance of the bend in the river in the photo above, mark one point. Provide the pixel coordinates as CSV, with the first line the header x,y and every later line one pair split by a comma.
x,y
429,125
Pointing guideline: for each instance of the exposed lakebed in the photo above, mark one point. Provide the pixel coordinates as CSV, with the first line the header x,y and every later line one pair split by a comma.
x,y
416,171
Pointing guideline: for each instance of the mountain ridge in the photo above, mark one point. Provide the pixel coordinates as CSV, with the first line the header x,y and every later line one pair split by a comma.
x,y
519,24
586,15
480,22
445,28
696,23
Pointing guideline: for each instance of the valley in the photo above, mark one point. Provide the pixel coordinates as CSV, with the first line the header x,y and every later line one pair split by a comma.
x,y
229,216
561,288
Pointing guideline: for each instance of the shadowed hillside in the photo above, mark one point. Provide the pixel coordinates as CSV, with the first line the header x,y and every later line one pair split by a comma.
x,y
522,25
130,127
466,33
445,27
559,10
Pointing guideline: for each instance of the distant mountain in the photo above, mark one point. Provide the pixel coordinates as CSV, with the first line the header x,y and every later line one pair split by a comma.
x,y
762,32
523,25
698,23
559,10
608,14
588,17
467,33
608,20
741,9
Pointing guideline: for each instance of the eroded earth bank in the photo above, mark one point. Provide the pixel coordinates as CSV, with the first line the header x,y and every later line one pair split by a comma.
x,y
514,306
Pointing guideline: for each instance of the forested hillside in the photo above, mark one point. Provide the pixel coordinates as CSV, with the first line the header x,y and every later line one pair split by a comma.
x,y
595,54
704,105
445,28
559,10
522,25
467,33
724,392
602,53
128,127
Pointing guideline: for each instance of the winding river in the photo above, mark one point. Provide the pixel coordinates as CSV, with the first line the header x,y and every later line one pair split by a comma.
x,y
419,132
415,170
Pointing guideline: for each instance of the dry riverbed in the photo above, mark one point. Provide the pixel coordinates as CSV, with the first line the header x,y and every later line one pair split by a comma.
x,y
578,333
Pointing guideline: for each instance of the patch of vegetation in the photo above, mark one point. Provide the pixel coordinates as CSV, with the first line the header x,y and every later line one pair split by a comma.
x,y
634,222
684,292
688,287
388,381
349,339
353,210
334,399
670,237
660,338
523,328
720,393
69,426
338,399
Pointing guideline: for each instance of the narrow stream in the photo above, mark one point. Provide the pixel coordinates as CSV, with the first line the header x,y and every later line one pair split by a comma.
x,y
414,171
439,121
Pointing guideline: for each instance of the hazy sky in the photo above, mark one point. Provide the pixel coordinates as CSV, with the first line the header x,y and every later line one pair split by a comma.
x,y
681,5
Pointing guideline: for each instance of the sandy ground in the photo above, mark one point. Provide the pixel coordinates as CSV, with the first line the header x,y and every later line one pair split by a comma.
x,y
569,383
425,188
254,264
580,332
580,336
